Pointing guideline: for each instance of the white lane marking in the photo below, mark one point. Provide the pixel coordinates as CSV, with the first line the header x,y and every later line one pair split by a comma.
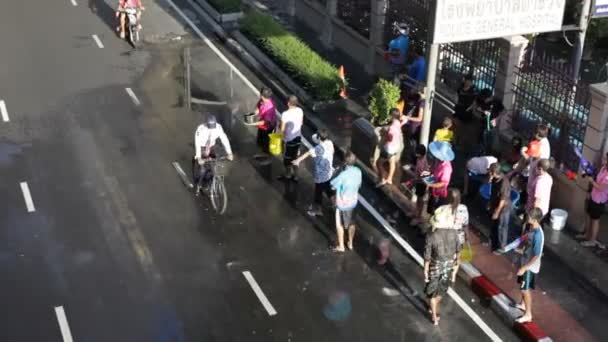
x,y
29,203
98,41
212,46
491,334
182,175
4,111
133,96
258,292
74,3
63,324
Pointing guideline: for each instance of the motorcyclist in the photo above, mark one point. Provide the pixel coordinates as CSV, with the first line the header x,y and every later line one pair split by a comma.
x,y
120,13
205,138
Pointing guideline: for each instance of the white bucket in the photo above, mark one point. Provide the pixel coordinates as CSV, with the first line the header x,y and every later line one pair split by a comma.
x,y
558,219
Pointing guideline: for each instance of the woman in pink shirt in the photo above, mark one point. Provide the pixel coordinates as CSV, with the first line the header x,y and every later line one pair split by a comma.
x,y
391,150
595,206
267,118
442,174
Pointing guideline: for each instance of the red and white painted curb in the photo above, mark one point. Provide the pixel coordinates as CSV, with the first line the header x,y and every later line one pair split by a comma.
x,y
501,304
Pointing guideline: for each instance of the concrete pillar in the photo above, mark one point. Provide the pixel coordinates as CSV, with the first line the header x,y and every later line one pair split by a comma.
x,y
512,49
376,33
328,29
596,144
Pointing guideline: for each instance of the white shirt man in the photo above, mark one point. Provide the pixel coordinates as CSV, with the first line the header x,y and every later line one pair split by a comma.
x,y
206,136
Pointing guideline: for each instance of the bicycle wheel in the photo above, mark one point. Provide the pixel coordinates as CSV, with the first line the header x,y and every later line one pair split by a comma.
x,y
218,195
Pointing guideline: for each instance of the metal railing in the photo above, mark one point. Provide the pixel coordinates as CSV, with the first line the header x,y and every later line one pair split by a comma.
x,y
545,93
479,58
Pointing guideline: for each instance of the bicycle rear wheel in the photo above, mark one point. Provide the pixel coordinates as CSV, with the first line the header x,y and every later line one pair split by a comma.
x,y
218,196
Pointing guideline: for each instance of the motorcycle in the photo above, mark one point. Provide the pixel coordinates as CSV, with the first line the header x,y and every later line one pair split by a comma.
x,y
132,25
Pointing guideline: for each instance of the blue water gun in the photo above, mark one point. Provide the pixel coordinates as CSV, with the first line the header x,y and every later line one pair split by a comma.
x,y
586,166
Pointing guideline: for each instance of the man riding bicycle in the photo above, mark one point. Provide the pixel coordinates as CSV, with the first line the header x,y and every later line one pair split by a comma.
x,y
205,138
123,5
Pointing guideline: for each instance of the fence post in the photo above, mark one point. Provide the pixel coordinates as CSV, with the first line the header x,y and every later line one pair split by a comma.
x,y
328,31
376,32
512,51
595,143
187,89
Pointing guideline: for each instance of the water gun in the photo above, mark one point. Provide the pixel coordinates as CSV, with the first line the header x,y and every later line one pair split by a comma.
x,y
516,243
586,165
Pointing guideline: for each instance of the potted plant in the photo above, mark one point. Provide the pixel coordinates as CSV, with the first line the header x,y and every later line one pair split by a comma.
x,y
384,96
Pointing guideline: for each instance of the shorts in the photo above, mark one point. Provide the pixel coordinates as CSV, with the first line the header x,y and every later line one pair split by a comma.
x,y
292,150
527,281
595,210
345,217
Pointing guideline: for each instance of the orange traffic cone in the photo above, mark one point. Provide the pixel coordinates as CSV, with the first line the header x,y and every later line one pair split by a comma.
x,y
343,93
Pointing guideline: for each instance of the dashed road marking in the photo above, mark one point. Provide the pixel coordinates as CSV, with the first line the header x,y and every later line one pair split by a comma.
x,y
4,111
182,175
74,3
29,203
133,96
63,324
98,41
259,293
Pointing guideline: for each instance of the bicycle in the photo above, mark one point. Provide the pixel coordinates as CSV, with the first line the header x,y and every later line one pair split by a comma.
x,y
216,188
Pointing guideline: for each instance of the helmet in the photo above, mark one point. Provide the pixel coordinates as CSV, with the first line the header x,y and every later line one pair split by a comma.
x,y
402,28
211,121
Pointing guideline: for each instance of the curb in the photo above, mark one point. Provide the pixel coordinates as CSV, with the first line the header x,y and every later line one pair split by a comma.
x,y
482,286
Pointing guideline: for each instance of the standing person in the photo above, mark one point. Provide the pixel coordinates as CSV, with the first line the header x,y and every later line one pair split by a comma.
x,y
466,97
595,206
323,156
440,254
346,185
422,170
397,49
500,207
539,186
446,132
533,242
291,128
453,215
542,134
267,122
392,147
442,174
414,110
417,70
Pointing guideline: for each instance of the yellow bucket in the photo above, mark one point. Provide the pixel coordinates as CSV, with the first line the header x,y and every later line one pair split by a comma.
x,y
467,253
275,146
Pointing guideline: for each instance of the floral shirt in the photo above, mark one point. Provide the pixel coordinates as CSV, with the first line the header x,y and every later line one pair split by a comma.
x,y
323,157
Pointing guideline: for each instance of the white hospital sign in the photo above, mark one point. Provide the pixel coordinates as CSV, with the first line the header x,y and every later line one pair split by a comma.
x,y
463,20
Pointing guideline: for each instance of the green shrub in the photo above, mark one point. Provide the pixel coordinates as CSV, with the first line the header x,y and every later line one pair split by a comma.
x,y
382,98
304,65
226,6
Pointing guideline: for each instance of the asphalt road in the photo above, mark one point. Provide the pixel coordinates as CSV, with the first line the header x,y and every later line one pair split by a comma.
x,y
113,237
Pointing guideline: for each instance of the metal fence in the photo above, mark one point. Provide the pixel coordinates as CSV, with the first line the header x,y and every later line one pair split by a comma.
x,y
456,60
356,14
479,58
545,93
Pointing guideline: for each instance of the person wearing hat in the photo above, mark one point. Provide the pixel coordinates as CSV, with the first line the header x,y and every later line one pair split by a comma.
x,y
442,173
397,49
205,139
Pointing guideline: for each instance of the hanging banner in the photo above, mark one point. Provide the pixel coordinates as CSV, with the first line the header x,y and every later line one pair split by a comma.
x,y
465,20
600,9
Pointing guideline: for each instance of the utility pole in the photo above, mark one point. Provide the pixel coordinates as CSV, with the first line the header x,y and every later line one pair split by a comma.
x,y
431,71
580,43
